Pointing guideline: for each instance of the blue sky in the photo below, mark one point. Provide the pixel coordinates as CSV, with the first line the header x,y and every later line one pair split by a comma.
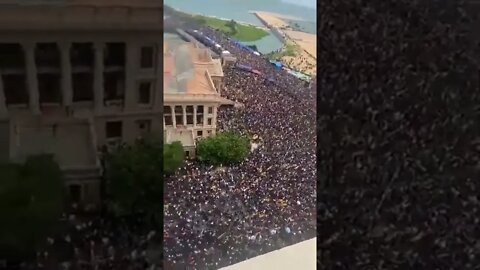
x,y
307,3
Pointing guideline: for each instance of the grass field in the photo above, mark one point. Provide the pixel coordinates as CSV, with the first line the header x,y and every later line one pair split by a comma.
x,y
238,31
290,49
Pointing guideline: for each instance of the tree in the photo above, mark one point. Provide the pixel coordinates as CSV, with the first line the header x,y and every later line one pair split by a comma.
x,y
223,148
232,24
31,202
173,157
253,47
134,179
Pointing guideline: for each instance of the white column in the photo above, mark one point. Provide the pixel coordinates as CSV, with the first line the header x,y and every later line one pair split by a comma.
x,y
98,77
184,110
205,115
219,86
3,103
67,90
174,120
32,80
195,116
214,120
158,90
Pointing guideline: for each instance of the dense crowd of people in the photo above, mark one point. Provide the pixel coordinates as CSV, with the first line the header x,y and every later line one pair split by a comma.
x,y
87,242
219,216
398,108
398,155
299,61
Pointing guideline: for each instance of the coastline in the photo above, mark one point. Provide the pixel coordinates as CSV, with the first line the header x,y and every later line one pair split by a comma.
x,y
239,22
220,18
278,15
306,59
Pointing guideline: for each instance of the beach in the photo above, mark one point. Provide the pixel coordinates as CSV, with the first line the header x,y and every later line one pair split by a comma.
x,y
239,22
271,19
306,41
241,11
306,57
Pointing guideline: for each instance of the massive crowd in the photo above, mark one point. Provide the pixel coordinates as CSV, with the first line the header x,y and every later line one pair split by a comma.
x,y
398,151
87,242
219,216
398,131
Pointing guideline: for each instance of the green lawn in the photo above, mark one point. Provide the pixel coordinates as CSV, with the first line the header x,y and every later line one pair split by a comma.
x,y
238,31
290,49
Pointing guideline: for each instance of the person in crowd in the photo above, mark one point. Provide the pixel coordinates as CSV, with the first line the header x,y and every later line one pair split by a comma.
x,y
220,217
217,217
398,108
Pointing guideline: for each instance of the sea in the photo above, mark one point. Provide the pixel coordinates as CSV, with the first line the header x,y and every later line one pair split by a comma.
x,y
304,12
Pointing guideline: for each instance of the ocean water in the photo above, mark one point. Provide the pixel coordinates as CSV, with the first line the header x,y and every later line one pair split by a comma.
x,y
240,10
305,3
266,44
304,26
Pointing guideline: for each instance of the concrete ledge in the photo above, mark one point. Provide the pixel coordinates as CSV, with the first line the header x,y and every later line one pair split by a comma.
x,y
299,256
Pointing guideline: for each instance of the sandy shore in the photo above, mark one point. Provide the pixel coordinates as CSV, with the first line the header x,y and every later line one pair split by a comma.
x,y
274,19
302,62
305,40
306,60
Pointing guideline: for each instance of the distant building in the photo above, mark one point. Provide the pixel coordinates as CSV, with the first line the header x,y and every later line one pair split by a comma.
x,y
76,75
193,82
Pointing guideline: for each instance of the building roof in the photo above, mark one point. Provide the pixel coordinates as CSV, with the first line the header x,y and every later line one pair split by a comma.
x,y
299,256
140,15
184,76
92,3
202,57
172,40
214,67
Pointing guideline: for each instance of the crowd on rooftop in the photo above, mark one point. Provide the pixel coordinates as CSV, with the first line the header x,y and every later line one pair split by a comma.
x,y
398,107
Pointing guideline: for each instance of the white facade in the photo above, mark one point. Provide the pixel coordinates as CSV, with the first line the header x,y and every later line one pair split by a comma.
x,y
192,85
78,76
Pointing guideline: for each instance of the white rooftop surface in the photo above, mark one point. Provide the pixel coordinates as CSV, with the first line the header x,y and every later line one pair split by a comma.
x,y
295,257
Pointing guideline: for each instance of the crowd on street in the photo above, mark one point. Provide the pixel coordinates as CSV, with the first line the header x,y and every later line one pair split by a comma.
x,y
397,119
219,216
398,136
104,243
